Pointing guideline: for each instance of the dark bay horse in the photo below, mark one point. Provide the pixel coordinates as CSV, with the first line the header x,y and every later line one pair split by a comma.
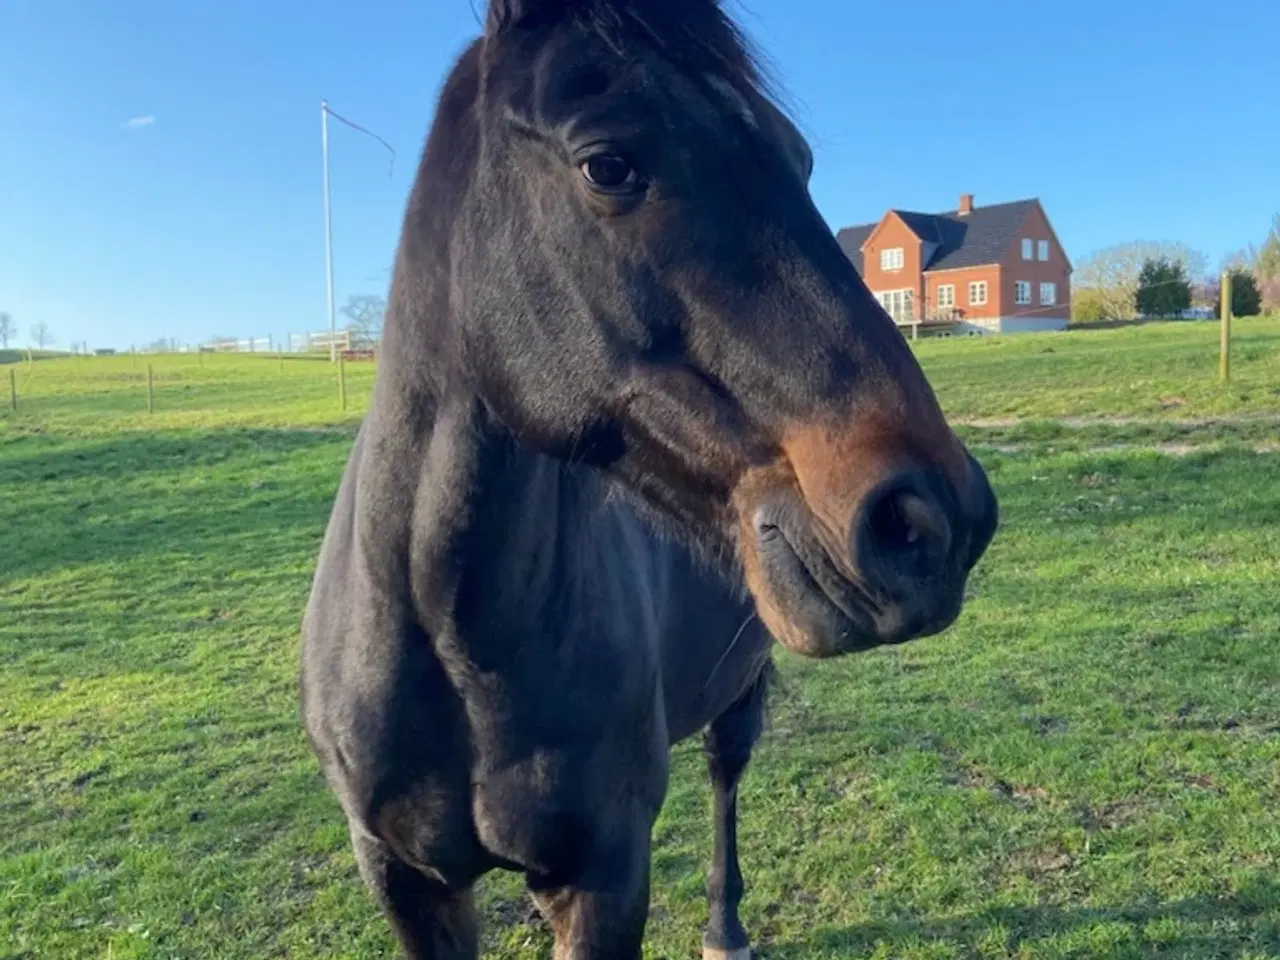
x,y
637,417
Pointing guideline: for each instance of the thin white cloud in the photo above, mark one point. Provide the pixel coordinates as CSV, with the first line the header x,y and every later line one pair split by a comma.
x,y
137,123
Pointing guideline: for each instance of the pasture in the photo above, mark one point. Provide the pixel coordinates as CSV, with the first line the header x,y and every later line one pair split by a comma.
x,y
1086,765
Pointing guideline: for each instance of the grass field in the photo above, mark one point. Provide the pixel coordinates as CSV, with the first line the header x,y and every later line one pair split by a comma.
x,y
1086,765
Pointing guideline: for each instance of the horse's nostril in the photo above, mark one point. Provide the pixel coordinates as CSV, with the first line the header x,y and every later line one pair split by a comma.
x,y
905,530
897,520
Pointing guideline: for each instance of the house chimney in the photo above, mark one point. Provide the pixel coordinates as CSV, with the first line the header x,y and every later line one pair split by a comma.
x,y
966,204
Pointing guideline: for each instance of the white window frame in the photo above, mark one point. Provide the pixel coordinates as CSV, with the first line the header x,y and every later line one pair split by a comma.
x,y
1022,292
1051,289
978,293
1028,248
946,295
1042,253
892,258
899,304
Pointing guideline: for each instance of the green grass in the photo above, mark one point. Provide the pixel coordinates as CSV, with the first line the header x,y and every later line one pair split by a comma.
x,y
1086,765
1164,370
94,396
13,355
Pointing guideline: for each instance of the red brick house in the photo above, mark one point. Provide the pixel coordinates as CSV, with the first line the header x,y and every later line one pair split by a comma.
x,y
995,269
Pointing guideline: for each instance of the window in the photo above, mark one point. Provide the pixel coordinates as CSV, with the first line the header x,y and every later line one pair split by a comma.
x,y
1048,294
947,295
1044,250
1022,291
1026,248
977,293
900,304
892,259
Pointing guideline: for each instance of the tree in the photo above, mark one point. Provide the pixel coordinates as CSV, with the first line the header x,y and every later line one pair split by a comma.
x,y
366,312
1088,306
1112,274
8,329
1163,289
1266,266
1204,293
41,335
1246,298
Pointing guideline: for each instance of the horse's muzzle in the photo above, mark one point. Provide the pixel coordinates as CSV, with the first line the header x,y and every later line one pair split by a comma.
x,y
897,575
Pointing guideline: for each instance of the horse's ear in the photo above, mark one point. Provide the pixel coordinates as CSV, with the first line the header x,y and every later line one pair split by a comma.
x,y
505,14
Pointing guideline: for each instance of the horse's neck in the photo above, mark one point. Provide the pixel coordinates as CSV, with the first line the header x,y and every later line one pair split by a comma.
x,y
497,536
528,575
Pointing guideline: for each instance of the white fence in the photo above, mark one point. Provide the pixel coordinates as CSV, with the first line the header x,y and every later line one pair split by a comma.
x,y
250,345
290,343
320,342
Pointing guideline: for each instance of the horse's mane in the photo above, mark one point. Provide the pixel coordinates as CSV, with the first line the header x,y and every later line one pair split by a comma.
x,y
696,33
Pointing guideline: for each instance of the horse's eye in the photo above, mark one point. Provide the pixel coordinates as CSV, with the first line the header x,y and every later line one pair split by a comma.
x,y
609,172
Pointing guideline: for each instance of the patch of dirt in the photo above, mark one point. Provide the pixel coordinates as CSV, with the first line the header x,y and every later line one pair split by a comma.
x,y
513,912
82,780
1204,782
842,785
1049,725
1226,419
1021,794
1167,449
1112,816
1041,862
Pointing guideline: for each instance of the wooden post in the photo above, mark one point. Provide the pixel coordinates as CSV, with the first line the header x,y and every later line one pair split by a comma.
x,y
151,391
13,389
342,381
1224,350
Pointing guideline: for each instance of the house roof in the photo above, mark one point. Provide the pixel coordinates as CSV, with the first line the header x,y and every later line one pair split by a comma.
x,y
980,237
851,240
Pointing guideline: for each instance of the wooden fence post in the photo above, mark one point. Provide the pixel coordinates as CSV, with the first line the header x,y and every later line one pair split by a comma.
x,y
151,392
13,389
342,381
1224,349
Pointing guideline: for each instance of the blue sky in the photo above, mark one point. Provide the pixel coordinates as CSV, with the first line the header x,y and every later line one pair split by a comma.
x,y
1130,119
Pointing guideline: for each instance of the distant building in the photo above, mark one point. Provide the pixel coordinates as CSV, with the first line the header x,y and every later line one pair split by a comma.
x,y
995,269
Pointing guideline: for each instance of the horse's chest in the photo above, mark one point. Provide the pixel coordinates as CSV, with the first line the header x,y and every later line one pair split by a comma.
x,y
549,792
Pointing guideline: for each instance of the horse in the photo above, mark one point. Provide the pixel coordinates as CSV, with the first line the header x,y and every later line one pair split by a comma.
x,y
637,419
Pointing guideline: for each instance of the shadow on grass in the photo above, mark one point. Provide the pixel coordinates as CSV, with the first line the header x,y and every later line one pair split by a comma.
x,y
41,458
206,495
1199,927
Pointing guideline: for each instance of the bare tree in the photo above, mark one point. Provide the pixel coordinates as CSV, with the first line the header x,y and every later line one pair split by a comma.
x,y
1109,277
1266,266
41,335
366,313
8,329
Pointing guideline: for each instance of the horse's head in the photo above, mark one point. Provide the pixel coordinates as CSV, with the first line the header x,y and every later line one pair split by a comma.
x,y
641,282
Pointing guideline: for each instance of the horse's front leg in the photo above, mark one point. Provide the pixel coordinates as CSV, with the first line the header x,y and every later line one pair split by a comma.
x,y
602,914
729,742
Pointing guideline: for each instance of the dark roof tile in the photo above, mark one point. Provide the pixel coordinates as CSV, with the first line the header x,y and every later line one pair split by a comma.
x,y
979,238
851,240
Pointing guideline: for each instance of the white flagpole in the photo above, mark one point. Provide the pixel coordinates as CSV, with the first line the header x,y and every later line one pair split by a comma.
x,y
328,228
328,217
